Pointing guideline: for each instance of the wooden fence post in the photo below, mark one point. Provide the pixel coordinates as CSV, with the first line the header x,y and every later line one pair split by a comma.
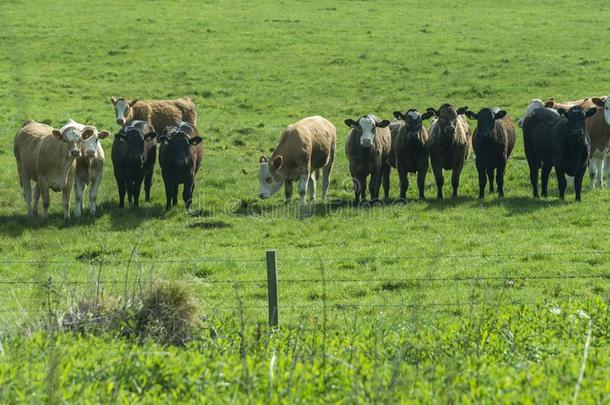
x,y
272,289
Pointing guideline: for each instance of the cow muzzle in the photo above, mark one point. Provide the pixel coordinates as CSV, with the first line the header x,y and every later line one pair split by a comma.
x,y
366,143
120,121
90,154
449,130
75,153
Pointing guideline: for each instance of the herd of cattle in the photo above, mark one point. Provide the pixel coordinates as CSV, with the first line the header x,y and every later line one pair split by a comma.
x,y
566,136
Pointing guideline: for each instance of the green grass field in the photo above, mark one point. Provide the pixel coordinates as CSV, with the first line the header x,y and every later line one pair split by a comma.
x,y
452,301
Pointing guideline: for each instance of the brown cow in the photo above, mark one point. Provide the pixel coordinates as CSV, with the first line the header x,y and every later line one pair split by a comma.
x,y
304,148
598,127
367,148
47,156
158,113
449,145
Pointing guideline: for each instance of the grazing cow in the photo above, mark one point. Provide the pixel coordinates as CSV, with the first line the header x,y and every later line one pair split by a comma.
x,y
134,151
89,166
304,148
180,157
409,152
158,113
47,156
368,148
493,141
557,141
449,145
598,128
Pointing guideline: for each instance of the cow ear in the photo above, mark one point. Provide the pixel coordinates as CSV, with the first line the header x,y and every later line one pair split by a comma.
x,y
162,138
549,103
132,102
196,140
103,134
88,132
426,115
277,162
590,112
562,112
471,115
432,110
113,99
398,115
351,123
462,110
382,123
500,114
150,136
599,101
57,134
262,160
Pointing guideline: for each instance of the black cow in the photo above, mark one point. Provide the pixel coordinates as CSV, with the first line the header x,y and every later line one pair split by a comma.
x,y
559,141
493,141
180,157
409,152
134,152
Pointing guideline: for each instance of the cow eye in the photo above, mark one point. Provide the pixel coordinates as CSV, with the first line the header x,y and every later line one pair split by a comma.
x,y
269,180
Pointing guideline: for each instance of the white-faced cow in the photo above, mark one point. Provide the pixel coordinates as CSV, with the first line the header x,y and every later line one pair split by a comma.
x,y
180,157
557,141
367,148
46,156
304,148
493,141
409,152
449,145
598,127
158,113
89,166
134,151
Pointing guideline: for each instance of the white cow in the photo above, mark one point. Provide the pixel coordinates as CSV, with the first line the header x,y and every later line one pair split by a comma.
x,y
89,166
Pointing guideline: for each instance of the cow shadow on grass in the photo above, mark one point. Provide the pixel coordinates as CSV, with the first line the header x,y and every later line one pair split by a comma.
x,y
129,218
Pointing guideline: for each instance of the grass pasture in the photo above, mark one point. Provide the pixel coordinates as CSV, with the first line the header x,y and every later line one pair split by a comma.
x,y
451,301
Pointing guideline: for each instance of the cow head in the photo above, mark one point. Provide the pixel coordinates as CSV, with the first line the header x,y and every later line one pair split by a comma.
x,y
447,118
367,125
413,121
72,135
269,176
534,104
575,117
603,102
178,142
486,120
90,143
123,109
138,143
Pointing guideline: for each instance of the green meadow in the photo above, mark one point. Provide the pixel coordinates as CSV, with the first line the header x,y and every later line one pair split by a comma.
x,y
435,301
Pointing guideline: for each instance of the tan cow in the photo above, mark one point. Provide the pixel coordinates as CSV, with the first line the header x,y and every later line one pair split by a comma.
x,y
304,148
158,113
598,128
47,156
89,166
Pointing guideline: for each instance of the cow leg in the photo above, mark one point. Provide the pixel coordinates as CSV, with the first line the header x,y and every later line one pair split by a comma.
x,y
168,194
326,174
375,184
67,191
120,184
490,177
312,187
385,179
36,197
607,171
287,191
303,182
561,181
175,193
455,179
578,182
421,179
602,170
95,185
482,182
359,189
46,199
79,188
26,185
500,179
438,177
546,171
534,177
187,192
592,173
135,191
403,178
147,185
